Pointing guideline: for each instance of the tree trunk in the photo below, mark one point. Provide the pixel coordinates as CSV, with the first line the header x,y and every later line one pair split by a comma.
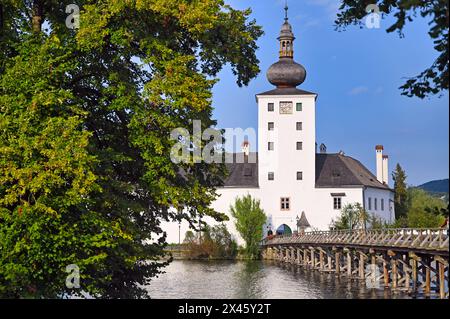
x,y
37,15
1,18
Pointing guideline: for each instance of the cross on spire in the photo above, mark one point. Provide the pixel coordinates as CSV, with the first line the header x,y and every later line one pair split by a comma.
x,y
286,8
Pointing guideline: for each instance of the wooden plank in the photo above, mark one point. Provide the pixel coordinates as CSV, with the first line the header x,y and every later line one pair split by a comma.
x,y
442,280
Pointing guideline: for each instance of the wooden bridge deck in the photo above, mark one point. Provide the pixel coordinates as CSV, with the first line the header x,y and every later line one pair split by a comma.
x,y
411,260
428,240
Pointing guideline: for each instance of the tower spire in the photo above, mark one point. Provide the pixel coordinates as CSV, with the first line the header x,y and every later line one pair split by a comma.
x,y
286,37
286,73
286,8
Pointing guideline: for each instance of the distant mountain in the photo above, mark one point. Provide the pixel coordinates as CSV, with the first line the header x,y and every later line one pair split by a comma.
x,y
440,186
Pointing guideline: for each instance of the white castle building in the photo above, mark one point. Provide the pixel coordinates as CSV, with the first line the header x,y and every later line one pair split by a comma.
x,y
288,174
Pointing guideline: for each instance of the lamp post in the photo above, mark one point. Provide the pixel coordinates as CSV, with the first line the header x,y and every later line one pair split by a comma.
x,y
179,233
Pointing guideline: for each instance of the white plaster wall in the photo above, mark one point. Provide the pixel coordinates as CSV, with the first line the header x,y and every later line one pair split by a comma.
x,y
285,161
323,208
388,214
222,205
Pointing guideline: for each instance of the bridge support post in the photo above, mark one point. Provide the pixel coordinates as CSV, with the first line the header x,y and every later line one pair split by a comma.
x,y
427,278
441,281
406,271
337,259
349,264
305,258
299,256
321,260
394,273
394,266
313,258
385,272
361,266
441,264
414,274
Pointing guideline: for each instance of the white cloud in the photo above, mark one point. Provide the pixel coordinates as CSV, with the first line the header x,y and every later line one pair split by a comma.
x,y
358,90
379,90
330,6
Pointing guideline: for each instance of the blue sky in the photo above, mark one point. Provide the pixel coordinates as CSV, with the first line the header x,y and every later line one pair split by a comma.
x,y
357,74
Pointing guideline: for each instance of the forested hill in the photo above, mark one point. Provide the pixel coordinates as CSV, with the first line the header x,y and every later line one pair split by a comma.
x,y
438,186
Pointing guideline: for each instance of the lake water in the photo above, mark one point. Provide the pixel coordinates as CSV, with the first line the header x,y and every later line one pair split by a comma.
x,y
256,280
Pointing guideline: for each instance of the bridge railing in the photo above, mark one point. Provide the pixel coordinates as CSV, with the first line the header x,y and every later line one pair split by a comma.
x,y
417,238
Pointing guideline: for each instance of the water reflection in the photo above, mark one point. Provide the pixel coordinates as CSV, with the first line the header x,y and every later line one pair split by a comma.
x,y
255,280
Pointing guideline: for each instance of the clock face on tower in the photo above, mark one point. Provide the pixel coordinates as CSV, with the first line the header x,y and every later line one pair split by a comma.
x,y
286,107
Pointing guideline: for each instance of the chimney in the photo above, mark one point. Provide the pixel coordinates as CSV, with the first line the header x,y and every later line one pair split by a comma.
x,y
379,154
385,170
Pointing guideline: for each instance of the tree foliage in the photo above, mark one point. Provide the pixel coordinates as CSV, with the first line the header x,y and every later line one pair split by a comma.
x,y
433,80
354,216
249,220
423,210
213,242
401,193
85,121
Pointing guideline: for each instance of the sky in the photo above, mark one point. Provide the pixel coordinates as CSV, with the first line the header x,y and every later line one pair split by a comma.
x,y
356,74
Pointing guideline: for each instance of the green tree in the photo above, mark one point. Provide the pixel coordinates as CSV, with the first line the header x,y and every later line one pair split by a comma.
x,y
211,242
424,210
433,80
352,216
401,192
85,119
250,219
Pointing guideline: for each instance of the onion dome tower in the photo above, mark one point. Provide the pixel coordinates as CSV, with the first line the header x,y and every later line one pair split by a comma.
x,y
286,73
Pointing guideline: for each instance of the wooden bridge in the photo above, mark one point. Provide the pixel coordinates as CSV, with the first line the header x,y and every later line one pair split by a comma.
x,y
415,261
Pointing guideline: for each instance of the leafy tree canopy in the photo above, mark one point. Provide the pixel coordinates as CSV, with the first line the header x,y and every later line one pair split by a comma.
x,y
249,219
85,121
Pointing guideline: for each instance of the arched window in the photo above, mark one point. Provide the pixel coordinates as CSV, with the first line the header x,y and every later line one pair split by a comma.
x,y
284,230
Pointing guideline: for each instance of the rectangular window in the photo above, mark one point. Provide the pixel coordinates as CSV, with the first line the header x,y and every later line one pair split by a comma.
x,y
299,107
299,126
299,146
337,203
382,204
271,126
370,203
271,176
285,203
299,176
376,203
271,107
271,146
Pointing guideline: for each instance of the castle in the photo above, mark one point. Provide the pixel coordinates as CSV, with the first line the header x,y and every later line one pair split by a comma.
x,y
298,183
